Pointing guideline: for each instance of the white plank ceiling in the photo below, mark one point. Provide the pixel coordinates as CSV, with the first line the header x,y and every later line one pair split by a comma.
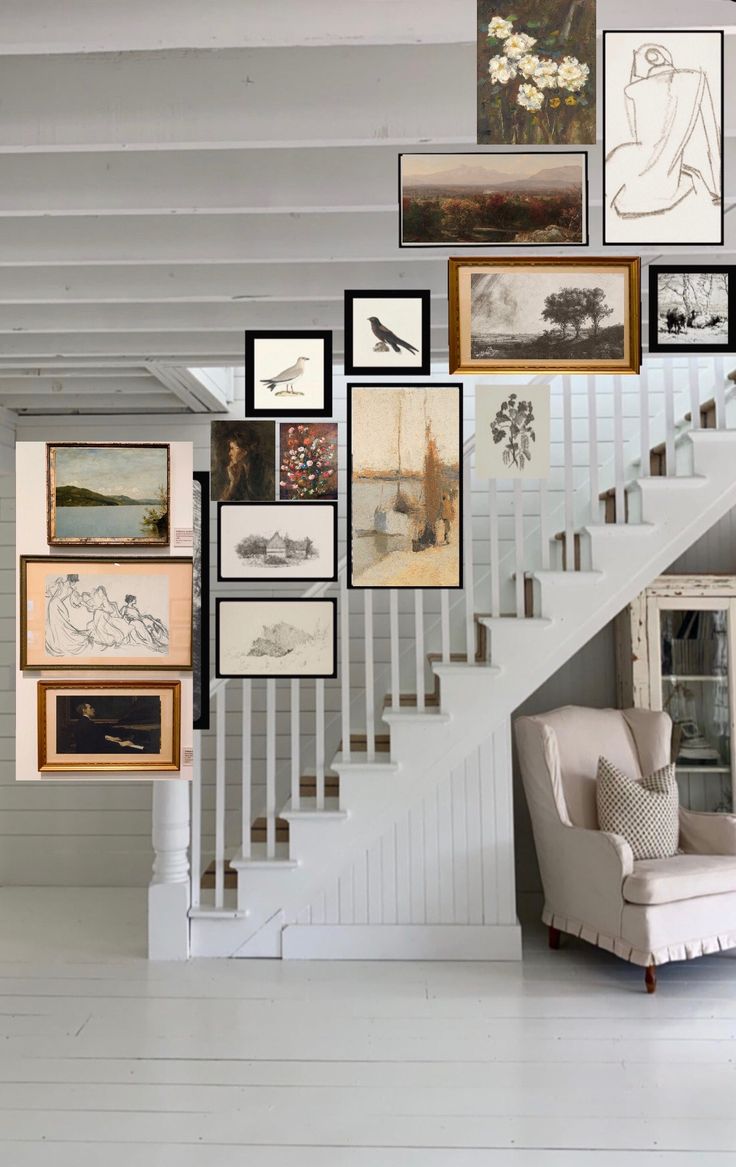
x,y
173,172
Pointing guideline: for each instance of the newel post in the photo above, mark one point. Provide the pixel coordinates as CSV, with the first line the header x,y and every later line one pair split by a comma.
x,y
169,889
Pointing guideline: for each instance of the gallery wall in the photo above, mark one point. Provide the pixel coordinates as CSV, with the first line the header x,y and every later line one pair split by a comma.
x,y
99,834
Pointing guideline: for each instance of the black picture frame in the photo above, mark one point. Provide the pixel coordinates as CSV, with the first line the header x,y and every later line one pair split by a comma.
x,y
301,510
421,370
558,154
655,345
325,600
290,407
201,634
458,387
649,36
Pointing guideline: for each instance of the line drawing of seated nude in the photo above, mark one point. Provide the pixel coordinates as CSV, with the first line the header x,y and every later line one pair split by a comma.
x,y
673,125
78,622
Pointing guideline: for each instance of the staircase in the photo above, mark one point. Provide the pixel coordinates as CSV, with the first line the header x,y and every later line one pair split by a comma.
x,y
400,843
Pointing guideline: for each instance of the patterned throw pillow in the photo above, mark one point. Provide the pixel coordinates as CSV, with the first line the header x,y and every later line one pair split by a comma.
x,y
645,812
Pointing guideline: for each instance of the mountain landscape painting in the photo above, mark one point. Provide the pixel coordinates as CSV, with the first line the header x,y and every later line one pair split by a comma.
x,y
108,493
533,199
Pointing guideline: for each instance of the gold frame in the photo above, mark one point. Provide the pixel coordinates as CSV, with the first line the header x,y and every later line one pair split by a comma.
x,y
54,541
46,767
632,356
97,560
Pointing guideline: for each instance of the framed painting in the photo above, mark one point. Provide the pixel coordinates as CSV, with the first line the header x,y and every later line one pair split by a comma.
x,y
387,332
308,460
277,542
98,613
107,494
512,431
516,315
242,461
663,137
276,638
108,726
692,308
201,601
525,198
405,486
288,373
536,73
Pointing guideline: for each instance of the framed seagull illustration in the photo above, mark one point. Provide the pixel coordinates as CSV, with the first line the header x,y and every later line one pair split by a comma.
x,y
387,332
288,373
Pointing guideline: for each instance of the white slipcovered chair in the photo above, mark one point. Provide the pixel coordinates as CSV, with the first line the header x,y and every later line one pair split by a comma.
x,y
648,911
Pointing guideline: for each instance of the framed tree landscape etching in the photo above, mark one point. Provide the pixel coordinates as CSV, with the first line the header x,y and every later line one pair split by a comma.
x,y
97,613
107,493
288,373
691,308
514,315
308,460
405,486
104,726
277,542
528,198
536,72
387,332
276,638
663,136
242,461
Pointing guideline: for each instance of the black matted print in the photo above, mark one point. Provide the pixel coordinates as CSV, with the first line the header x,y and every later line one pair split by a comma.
x,y
288,373
277,542
691,309
242,461
387,332
276,638
405,486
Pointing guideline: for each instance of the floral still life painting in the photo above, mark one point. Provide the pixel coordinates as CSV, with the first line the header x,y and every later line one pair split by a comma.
x,y
512,431
308,460
405,495
536,72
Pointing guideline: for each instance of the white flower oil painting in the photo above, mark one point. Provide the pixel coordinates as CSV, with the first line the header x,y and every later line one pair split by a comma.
x,y
536,72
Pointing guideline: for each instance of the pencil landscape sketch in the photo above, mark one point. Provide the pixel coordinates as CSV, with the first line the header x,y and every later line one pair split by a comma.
x,y
276,638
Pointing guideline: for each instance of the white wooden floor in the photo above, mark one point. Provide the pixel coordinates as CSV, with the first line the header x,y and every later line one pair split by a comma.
x,y
108,1061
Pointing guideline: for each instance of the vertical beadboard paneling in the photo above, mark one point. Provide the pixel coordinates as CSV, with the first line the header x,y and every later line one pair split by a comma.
x,y
449,860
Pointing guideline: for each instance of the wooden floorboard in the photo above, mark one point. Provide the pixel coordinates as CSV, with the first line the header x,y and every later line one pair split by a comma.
x,y
562,1059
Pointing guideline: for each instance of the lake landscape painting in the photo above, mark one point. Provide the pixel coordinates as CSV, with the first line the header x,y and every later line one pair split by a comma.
x,y
405,488
108,493
510,315
532,199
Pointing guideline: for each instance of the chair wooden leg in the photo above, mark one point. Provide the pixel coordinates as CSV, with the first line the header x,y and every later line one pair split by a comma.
x,y
554,937
650,978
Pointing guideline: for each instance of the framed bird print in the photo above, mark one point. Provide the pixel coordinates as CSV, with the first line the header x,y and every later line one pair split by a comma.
x,y
288,373
387,332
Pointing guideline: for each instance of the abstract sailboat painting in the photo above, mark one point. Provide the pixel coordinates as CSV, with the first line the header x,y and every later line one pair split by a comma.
x,y
405,486
663,137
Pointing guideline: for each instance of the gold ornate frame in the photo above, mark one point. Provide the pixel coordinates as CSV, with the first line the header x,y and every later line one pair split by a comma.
x,y
459,323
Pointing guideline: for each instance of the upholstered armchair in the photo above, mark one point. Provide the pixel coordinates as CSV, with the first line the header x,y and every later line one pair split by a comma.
x,y
648,911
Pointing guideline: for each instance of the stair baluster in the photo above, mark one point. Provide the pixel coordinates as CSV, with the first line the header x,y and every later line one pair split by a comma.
x,y
370,712
669,420
345,679
595,503
319,714
270,769
419,645
569,474
618,452
720,394
693,378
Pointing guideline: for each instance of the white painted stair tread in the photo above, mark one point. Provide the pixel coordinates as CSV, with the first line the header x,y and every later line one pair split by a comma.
x,y
308,809
427,716
359,760
259,858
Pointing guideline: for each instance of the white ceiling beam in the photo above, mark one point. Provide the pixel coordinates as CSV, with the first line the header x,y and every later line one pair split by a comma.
x,y
197,396
86,26
390,92
195,239
61,385
154,403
